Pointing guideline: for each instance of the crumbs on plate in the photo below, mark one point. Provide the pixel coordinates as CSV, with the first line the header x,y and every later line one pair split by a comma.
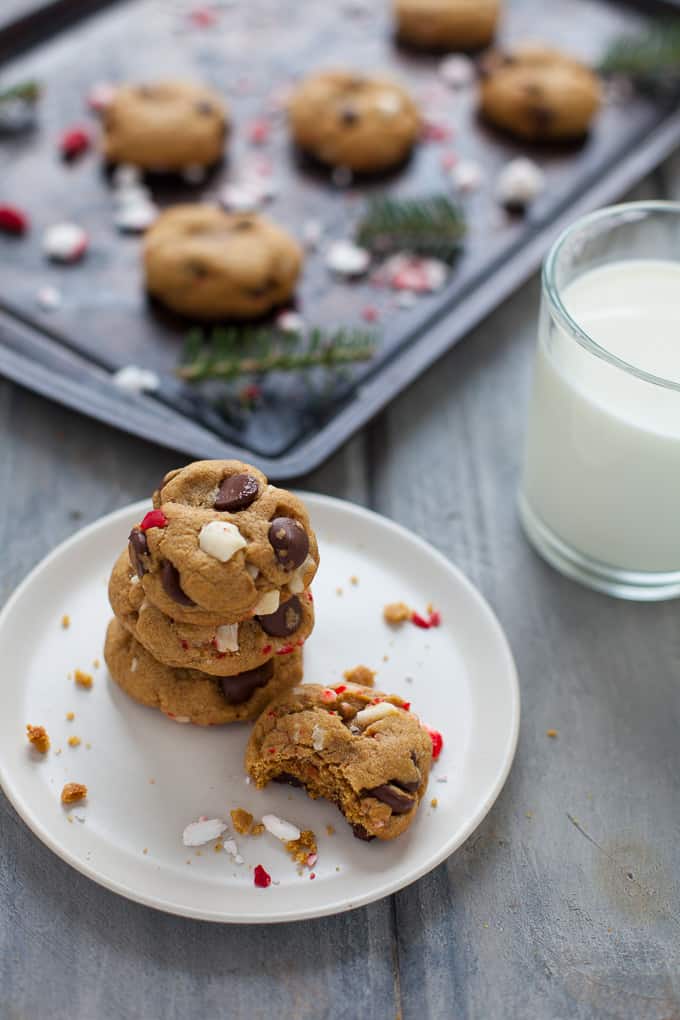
x,y
73,792
360,675
38,738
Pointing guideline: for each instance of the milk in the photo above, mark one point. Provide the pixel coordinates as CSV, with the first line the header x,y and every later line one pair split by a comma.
x,y
602,465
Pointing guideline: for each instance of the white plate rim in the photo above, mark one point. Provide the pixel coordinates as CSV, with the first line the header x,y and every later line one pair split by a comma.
x,y
442,853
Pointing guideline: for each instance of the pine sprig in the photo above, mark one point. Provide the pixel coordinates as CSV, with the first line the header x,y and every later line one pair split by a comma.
x,y
25,91
651,59
432,226
229,353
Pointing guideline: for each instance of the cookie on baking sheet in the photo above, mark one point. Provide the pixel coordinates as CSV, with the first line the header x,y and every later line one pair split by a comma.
x,y
166,125
539,94
206,263
351,120
218,649
221,543
361,749
447,24
187,695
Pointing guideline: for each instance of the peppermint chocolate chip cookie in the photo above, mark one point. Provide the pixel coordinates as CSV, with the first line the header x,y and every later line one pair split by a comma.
x,y
221,649
447,24
540,94
169,125
363,750
222,545
206,263
344,119
186,695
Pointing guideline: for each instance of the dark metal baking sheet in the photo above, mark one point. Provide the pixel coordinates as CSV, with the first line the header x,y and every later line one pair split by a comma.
x,y
106,321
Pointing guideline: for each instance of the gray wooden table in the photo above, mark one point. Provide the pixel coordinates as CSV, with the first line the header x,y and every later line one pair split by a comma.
x,y
564,904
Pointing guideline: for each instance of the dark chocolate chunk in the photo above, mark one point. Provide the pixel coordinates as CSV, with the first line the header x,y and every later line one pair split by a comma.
x,y
290,542
361,833
240,688
237,492
285,621
348,115
397,799
242,225
286,777
171,585
196,268
410,787
137,548
204,107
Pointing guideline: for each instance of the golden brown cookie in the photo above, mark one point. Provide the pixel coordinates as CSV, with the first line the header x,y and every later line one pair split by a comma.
x,y
447,24
167,125
220,650
351,120
206,263
361,749
187,695
539,94
221,543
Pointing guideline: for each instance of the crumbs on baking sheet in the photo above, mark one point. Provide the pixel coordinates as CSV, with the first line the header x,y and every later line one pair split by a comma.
x,y
551,733
70,716
83,679
73,792
66,621
38,737
330,830
397,612
360,675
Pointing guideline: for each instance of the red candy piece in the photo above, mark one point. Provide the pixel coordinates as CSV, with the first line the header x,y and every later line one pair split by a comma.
x,y
286,650
154,519
340,688
203,17
420,621
433,132
261,878
369,313
12,220
266,650
406,706
74,143
437,742
435,618
258,132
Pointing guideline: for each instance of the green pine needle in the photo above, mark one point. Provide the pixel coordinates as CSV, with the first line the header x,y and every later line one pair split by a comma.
x,y
651,59
433,226
26,91
229,353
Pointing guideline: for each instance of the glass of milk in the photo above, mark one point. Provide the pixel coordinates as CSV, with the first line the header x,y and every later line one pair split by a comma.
x,y
600,492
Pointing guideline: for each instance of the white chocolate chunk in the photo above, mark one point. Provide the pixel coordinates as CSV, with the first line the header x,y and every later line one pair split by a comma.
x,y
221,539
388,103
267,604
198,833
372,713
520,182
279,827
253,571
133,665
318,738
226,637
297,583
347,259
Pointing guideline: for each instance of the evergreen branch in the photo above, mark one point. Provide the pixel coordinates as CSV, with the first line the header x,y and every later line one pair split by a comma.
x,y
231,352
25,91
432,226
650,59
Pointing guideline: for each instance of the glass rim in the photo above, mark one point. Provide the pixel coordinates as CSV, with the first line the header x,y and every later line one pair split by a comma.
x,y
558,309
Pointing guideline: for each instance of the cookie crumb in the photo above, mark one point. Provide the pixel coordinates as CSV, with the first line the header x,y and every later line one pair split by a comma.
x,y
38,738
529,814
66,621
152,781
386,658
338,591
257,829
361,675
551,733
83,679
242,821
96,663
434,802
70,716
304,849
74,741
354,580
219,847
73,792
396,612
145,850
330,830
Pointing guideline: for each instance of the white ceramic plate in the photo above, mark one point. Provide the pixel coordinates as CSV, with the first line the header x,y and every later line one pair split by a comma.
x,y
460,678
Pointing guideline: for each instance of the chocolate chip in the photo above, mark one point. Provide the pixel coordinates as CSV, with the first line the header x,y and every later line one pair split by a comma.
x,y
171,585
285,621
543,116
348,115
410,787
361,833
532,88
137,548
289,541
204,107
242,225
240,688
290,780
397,799
237,492
197,269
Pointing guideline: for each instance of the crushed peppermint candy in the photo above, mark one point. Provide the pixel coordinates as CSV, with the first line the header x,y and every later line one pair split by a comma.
x,y
134,379
226,638
347,258
414,273
279,827
230,847
48,298
153,519
65,242
290,322
519,183
13,220
437,742
126,176
433,131
135,217
457,71
466,176
342,176
258,131
203,831
74,142
100,96
261,878
312,232
241,198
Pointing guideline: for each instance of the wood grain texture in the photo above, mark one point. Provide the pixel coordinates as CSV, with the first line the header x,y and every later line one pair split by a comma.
x,y
564,904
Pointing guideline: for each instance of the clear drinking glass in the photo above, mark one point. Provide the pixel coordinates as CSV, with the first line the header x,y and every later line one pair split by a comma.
x,y
600,491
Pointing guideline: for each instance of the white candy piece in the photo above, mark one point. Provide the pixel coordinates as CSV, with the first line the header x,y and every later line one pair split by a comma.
x,y
467,175
388,103
65,242
221,539
267,603
136,217
347,259
372,713
204,831
279,827
226,637
312,231
126,175
296,583
457,71
238,198
100,96
318,738
519,182
48,298
134,379
290,322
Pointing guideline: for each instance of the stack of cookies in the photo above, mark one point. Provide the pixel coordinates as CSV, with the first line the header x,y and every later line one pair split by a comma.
x,y
211,599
